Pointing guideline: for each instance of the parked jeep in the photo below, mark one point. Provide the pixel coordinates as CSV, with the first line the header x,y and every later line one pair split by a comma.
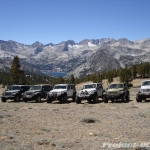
x,y
116,91
90,92
62,92
37,92
144,91
14,92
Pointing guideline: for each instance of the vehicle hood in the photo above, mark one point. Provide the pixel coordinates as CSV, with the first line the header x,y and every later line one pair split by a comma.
x,y
145,87
33,91
88,90
59,90
12,91
114,90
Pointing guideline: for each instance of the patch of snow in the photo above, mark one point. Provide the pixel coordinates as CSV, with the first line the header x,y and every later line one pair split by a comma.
x,y
75,46
90,44
50,46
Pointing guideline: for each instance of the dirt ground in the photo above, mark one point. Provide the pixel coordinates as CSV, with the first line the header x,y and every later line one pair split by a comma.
x,y
42,126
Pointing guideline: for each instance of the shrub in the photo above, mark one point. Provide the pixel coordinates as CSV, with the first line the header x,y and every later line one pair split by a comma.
x,y
89,120
43,141
130,85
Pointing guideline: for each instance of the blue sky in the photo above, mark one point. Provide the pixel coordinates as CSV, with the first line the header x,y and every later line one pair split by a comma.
x,y
54,21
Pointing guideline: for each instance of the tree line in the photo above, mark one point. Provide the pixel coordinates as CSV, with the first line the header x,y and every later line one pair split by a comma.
x,y
125,74
17,76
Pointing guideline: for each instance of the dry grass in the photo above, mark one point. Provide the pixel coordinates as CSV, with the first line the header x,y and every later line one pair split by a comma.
x,y
38,126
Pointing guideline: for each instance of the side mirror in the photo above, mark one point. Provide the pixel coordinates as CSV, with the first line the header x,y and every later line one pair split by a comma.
x,y
106,88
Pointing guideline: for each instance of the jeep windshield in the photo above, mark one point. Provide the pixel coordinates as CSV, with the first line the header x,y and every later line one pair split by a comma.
x,y
60,87
115,86
89,86
36,88
145,83
14,88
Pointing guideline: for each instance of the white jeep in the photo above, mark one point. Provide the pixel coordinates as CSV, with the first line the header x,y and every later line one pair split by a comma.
x,y
62,92
90,92
144,91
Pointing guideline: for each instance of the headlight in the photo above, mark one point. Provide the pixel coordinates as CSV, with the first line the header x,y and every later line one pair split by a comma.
x,y
13,93
59,93
50,93
141,90
120,92
78,93
23,94
91,92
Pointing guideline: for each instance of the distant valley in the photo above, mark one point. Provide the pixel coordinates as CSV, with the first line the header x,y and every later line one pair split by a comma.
x,y
80,59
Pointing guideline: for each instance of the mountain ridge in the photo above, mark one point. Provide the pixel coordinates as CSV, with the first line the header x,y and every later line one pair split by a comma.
x,y
87,56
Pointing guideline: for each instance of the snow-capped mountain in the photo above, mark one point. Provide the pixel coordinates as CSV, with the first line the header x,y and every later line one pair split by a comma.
x,y
85,57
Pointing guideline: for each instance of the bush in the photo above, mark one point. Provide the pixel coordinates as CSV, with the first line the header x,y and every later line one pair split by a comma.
x,y
43,141
89,120
130,85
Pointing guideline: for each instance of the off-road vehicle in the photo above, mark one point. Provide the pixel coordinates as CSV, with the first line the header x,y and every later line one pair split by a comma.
x,y
144,91
14,93
37,92
90,92
62,92
116,91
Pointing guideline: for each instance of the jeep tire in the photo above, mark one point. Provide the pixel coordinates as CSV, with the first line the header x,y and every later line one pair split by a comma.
x,y
138,99
128,97
17,98
49,100
3,100
74,97
64,98
78,100
105,99
24,100
95,98
38,99
123,98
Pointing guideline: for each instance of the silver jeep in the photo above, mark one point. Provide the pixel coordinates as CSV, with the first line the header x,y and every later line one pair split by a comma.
x,y
90,92
144,91
62,92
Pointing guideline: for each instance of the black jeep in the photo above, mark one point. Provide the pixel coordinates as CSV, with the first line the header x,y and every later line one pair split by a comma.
x,y
37,92
14,92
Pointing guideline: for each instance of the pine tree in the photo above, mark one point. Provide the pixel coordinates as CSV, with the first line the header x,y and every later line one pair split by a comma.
x,y
17,75
134,71
125,75
72,79
110,77
141,71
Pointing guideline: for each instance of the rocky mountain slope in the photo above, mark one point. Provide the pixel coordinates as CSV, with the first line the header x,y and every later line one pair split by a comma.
x,y
85,57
